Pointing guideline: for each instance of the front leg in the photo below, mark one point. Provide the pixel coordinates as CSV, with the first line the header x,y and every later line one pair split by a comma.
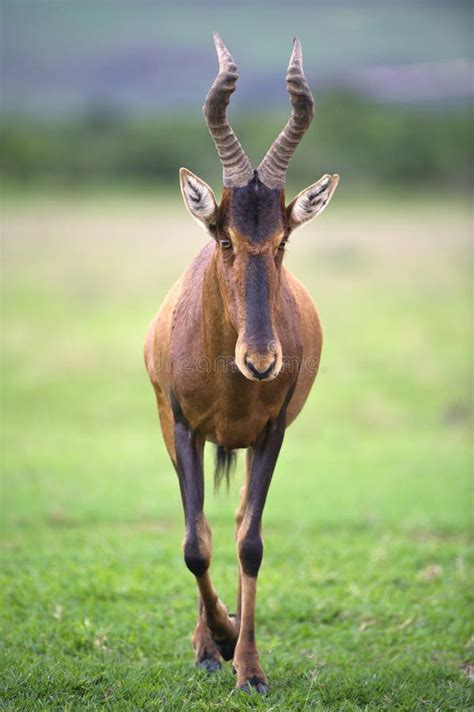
x,y
216,631
250,553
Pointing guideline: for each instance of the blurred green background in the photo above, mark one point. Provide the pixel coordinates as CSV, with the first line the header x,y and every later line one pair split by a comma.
x,y
95,92
364,601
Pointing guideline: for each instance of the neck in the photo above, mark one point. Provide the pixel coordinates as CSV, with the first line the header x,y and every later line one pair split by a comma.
x,y
220,335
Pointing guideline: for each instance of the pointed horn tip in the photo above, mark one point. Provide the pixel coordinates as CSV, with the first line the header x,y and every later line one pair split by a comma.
x,y
223,54
296,52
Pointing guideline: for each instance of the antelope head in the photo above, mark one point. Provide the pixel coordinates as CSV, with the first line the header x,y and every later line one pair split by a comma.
x,y
252,224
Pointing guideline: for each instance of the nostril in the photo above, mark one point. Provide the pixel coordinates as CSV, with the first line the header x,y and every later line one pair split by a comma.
x,y
261,375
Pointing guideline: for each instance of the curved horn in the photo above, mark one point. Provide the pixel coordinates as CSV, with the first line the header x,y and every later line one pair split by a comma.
x,y
237,169
272,170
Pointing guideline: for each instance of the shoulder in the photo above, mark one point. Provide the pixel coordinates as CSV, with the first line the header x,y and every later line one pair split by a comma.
x,y
296,290
308,313
188,302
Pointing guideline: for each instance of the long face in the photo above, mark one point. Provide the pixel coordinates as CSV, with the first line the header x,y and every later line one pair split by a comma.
x,y
252,224
251,227
251,232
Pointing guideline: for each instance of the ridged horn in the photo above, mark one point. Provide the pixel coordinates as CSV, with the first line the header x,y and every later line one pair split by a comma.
x,y
272,170
237,169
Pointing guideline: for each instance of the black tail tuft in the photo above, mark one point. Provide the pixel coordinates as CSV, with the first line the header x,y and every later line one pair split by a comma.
x,y
225,463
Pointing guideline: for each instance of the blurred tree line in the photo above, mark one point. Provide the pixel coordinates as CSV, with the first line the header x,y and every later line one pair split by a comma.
x,y
367,143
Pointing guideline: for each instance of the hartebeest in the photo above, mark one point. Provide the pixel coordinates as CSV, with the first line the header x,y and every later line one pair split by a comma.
x,y
234,351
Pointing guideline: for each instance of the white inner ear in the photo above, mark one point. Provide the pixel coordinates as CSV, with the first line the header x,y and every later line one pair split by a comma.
x,y
312,201
198,197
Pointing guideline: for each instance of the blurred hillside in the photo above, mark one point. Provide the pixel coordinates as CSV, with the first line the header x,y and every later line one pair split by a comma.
x,y
112,92
367,143
136,54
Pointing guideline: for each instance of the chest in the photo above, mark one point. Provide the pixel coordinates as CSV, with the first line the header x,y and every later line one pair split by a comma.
x,y
230,410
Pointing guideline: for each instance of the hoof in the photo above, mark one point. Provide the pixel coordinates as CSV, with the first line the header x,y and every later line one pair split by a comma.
x,y
254,684
209,665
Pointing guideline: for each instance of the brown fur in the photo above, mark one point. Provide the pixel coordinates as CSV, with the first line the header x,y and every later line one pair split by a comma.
x,y
193,328
232,355
196,326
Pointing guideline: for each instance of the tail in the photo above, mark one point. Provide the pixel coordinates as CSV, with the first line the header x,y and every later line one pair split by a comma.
x,y
225,464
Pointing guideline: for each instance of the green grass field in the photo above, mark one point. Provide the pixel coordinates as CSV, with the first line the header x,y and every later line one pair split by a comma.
x,y
364,597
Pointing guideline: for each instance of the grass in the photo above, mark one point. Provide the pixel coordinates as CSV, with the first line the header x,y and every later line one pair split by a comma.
x,y
364,599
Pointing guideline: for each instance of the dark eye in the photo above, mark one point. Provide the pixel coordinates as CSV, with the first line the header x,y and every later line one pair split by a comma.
x,y
282,244
225,244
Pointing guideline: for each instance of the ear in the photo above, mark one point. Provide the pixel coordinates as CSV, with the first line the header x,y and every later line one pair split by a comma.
x,y
311,201
198,198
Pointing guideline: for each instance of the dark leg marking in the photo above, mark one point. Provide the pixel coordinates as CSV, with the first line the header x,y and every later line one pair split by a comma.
x,y
213,615
250,550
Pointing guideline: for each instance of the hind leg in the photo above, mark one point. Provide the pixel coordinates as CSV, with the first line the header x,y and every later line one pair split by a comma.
x,y
209,648
207,653
239,516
